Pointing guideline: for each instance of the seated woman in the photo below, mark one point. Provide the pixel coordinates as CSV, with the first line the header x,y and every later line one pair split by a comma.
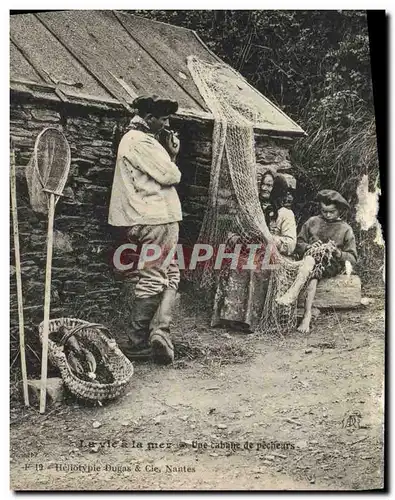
x,y
240,294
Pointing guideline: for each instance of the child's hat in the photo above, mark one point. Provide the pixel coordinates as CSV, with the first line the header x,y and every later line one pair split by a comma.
x,y
330,196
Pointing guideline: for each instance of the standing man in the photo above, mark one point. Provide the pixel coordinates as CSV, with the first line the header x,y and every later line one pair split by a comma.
x,y
145,202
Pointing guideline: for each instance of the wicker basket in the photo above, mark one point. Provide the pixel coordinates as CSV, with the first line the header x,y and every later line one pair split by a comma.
x,y
113,358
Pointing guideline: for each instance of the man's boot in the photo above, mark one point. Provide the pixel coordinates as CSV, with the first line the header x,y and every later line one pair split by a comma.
x,y
144,309
162,347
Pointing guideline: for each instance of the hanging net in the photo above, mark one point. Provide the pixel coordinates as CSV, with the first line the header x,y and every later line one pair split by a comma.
x,y
234,206
48,168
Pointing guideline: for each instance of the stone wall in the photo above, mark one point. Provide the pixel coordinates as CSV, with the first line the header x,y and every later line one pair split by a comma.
x,y
80,267
83,280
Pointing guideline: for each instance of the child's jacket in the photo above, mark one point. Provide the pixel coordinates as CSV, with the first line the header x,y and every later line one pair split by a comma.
x,y
317,228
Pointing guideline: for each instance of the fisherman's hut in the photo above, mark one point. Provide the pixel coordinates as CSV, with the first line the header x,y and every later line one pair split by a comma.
x,y
80,71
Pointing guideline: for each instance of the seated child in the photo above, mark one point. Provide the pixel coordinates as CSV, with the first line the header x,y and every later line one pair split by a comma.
x,y
328,226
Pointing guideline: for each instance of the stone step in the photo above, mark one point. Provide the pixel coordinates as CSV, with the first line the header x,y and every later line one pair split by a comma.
x,y
55,391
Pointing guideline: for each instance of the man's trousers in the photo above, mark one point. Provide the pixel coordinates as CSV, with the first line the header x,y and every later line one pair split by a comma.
x,y
156,275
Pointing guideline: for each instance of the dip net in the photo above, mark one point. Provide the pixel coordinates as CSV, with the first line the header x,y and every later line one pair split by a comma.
x,y
48,168
234,206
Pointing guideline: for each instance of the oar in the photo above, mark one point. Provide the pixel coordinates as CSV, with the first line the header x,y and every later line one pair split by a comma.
x,y
18,274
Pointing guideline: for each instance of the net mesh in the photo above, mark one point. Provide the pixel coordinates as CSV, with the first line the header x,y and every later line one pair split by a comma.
x,y
322,253
48,168
234,206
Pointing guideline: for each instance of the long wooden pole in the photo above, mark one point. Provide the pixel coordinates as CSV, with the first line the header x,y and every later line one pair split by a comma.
x,y
47,303
18,279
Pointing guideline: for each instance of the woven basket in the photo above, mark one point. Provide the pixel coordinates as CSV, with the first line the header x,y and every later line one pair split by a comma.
x,y
113,358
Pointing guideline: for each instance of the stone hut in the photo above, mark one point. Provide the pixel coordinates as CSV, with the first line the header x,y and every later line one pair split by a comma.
x,y
80,71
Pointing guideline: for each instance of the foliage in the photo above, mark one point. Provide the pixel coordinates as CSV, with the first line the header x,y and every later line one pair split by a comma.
x,y
315,65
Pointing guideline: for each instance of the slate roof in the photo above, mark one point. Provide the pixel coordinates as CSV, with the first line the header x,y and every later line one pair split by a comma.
x,y
109,57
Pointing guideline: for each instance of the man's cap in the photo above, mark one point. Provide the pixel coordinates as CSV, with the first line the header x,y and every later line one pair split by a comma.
x,y
155,105
330,196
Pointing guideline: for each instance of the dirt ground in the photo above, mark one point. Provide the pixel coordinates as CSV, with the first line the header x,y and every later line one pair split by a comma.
x,y
295,413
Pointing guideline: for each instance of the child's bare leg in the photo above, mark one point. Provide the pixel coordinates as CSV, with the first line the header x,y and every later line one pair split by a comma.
x,y
304,326
303,275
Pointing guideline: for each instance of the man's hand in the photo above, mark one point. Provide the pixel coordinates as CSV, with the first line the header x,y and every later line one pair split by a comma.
x,y
173,145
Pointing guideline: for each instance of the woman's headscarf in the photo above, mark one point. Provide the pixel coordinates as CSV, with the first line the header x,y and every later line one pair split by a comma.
x,y
277,198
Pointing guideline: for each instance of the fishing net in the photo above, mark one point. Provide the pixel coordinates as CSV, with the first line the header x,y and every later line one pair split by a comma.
x,y
48,168
234,206
317,260
322,253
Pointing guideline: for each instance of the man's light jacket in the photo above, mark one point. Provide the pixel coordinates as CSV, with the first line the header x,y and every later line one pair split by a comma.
x,y
143,189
